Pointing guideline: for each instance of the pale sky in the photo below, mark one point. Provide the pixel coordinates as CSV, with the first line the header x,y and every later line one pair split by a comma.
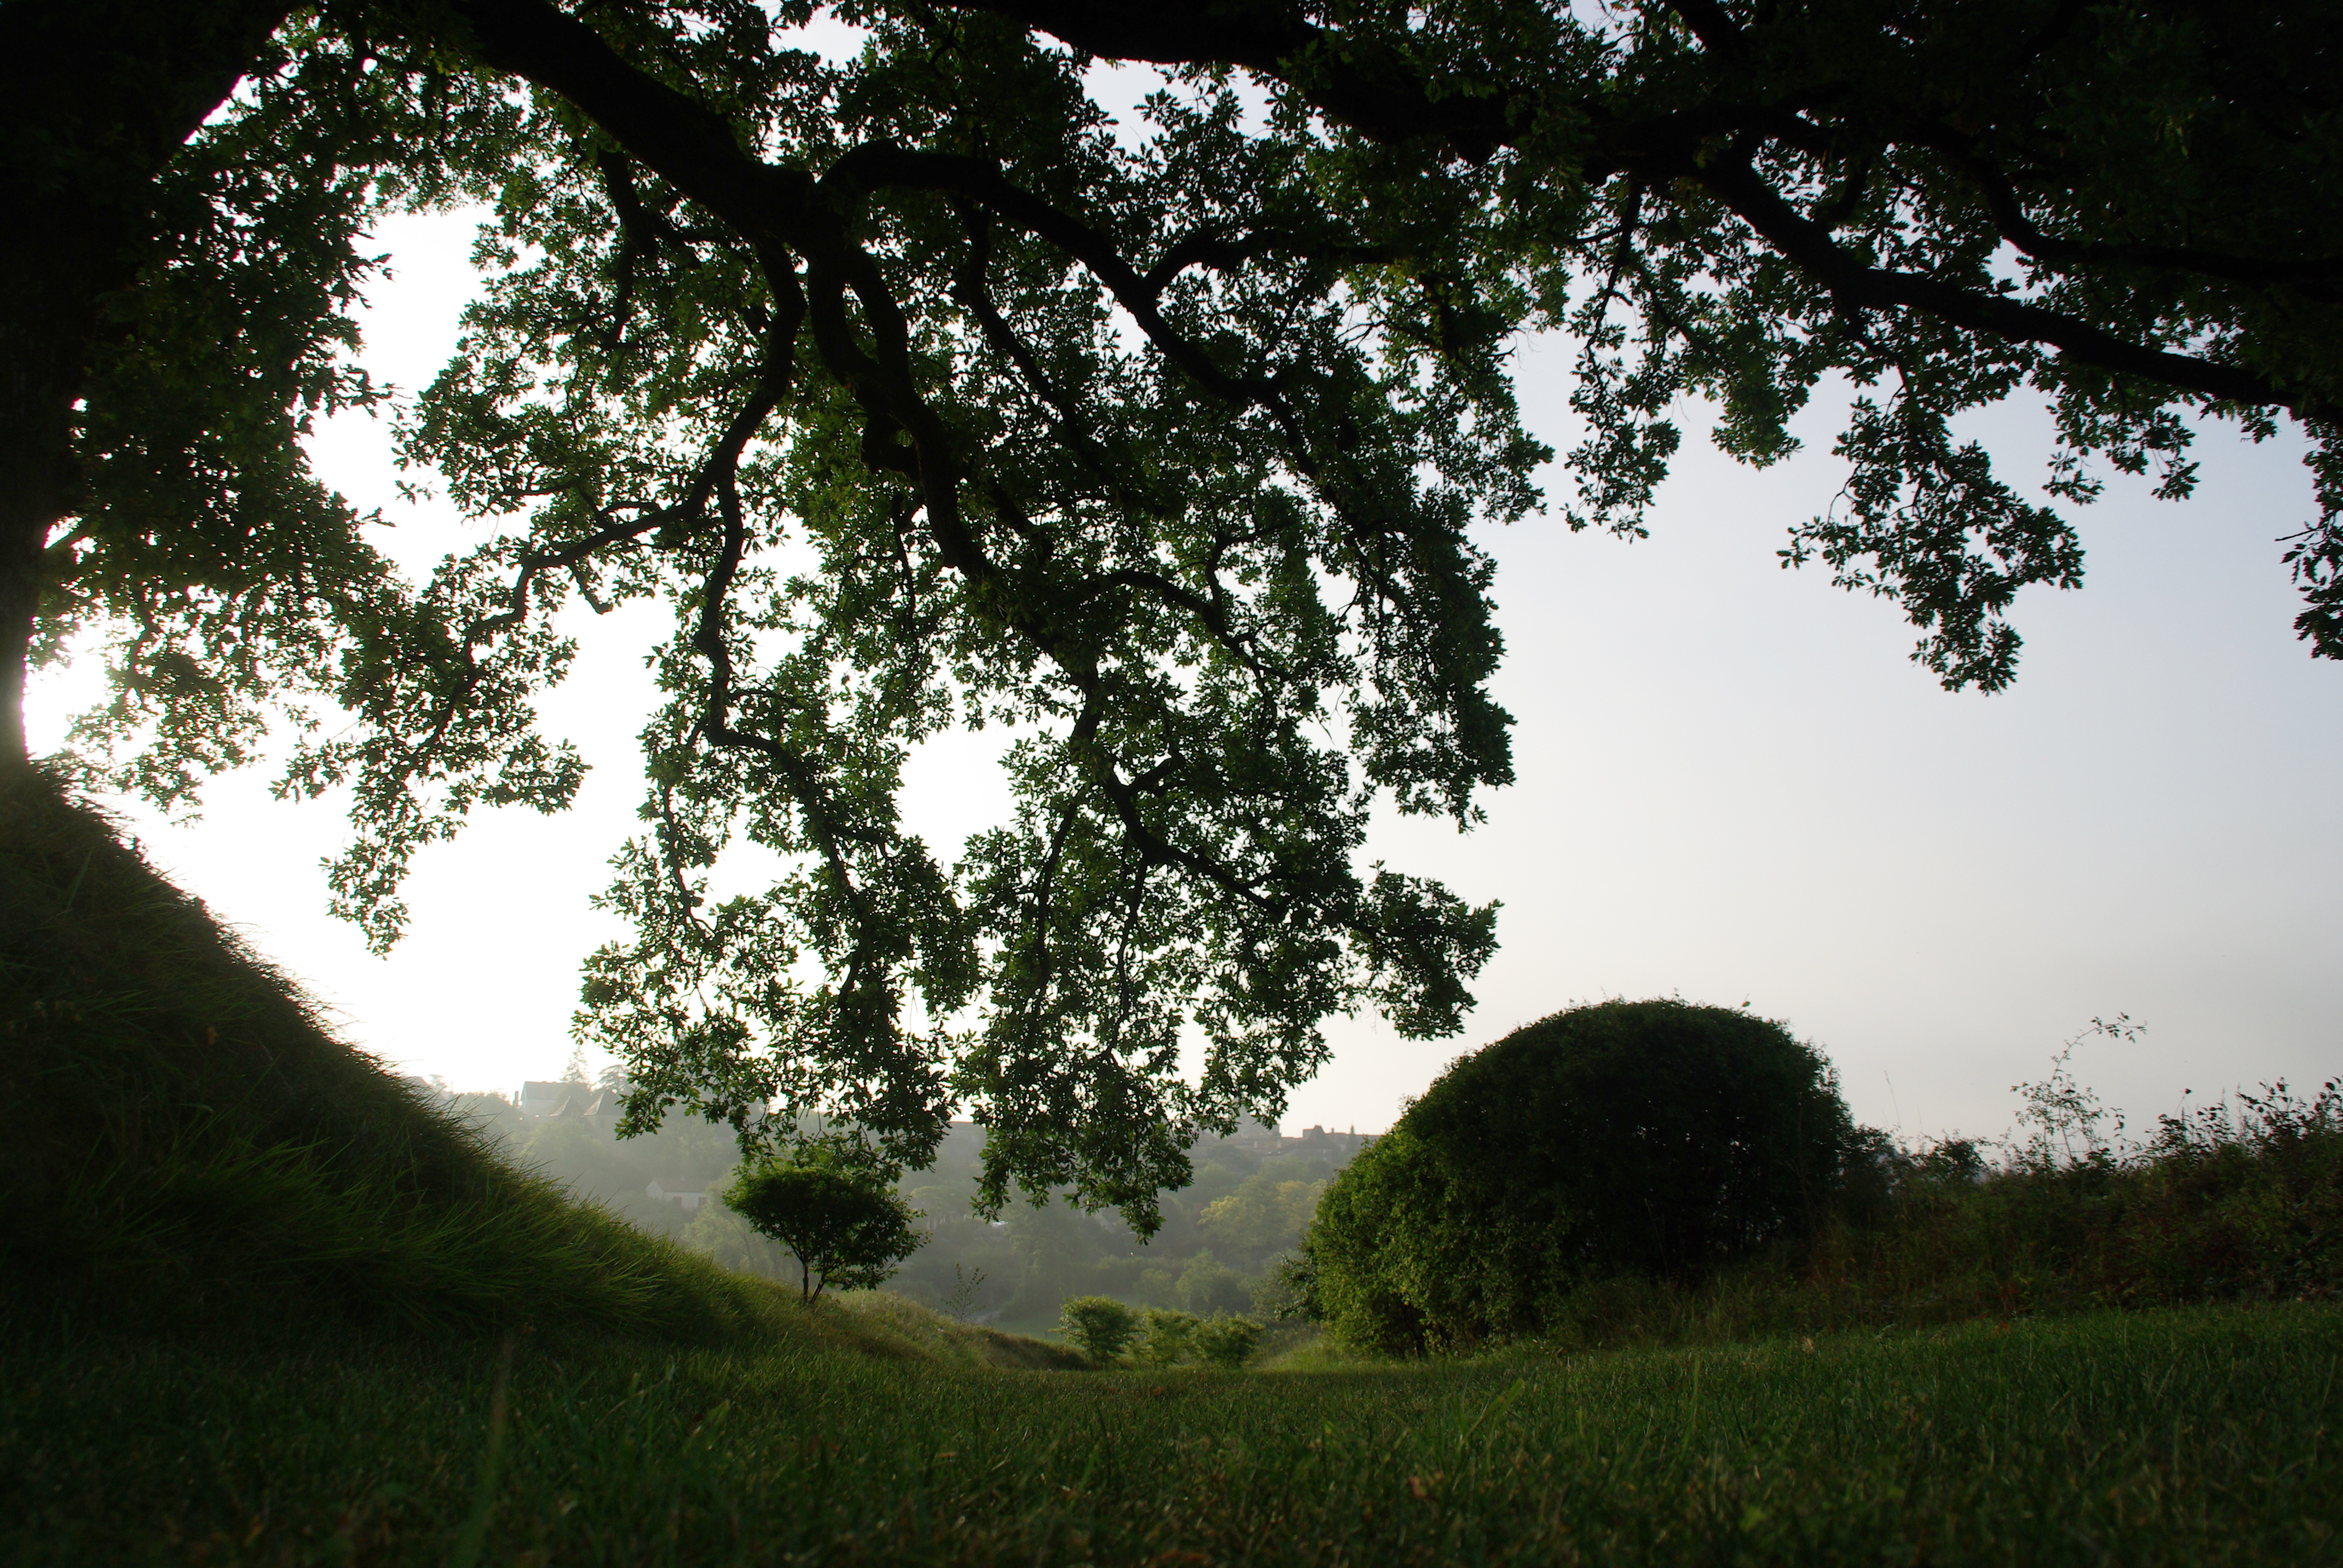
x,y
1733,787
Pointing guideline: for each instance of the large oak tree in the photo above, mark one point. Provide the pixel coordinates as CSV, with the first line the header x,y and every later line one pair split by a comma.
x,y
926,397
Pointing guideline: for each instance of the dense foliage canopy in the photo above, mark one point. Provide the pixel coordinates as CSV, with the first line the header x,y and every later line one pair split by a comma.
x,y
927,395
1655,1138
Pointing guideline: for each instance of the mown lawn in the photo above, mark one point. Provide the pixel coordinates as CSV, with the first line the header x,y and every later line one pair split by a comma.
x,y
2197,1437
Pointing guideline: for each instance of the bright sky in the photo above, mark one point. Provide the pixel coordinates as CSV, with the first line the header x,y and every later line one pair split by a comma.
x,y
1733,787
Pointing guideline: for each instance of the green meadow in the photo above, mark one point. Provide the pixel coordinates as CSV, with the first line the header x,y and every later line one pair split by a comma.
x,y
2182,1437
260,1304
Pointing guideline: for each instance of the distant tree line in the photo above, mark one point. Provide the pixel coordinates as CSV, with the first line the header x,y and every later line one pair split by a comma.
x,y
1221,1241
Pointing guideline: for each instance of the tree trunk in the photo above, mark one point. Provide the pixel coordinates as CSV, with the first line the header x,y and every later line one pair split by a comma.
x,y
95,97
35,458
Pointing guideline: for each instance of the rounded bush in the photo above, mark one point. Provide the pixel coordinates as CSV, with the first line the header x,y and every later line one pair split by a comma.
x,y
1099,1326
1165,1336
1227,1341
1655,1139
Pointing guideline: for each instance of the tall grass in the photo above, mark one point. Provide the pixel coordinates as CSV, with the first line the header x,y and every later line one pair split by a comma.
x,y
2239,1204
2192,1437
188,1140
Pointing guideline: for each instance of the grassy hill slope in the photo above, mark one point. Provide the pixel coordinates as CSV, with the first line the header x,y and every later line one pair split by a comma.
x,y
187,1142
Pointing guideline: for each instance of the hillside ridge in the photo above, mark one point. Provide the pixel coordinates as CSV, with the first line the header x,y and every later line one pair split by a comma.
x,y
192,1144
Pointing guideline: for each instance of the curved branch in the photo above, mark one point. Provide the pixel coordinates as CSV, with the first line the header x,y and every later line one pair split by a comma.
x,y
2001,199
1855,282
1358,84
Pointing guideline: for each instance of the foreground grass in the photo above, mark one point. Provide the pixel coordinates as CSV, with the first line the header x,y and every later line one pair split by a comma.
x,y
2196,1436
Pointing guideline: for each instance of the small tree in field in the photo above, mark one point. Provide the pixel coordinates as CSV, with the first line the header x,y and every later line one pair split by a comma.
x,y
1100,1326
844,1227
1227,1341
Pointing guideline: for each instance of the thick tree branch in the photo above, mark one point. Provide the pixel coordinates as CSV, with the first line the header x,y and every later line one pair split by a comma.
x,y
1357,83
1855,282
96,97
2317,277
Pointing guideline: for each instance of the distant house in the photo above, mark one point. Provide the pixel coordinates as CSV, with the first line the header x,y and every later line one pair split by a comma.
x,y
1346,1144
1265,1138
604,1109
599,1108
690,1203
539,1099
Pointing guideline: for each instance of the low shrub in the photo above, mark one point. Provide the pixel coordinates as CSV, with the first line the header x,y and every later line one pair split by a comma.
x,y
1225,1339
1166,1337
1654,1140
2231,1204
1163,1338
